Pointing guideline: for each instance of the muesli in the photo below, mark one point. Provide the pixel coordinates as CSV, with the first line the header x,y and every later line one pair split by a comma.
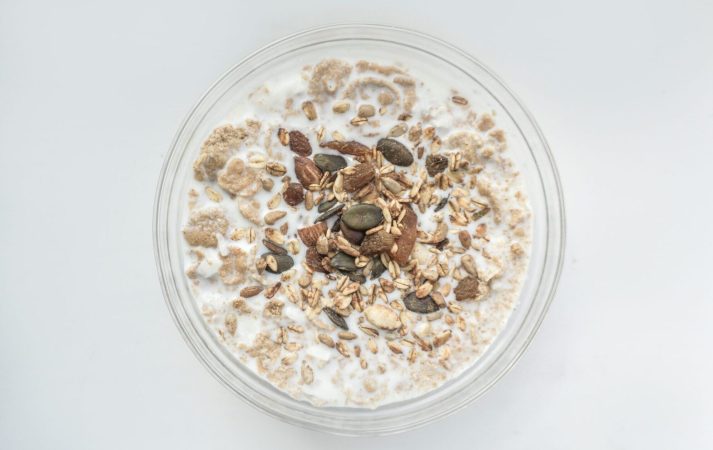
x,y
355,235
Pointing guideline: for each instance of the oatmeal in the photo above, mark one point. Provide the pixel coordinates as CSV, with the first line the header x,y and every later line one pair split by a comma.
x,y
354,235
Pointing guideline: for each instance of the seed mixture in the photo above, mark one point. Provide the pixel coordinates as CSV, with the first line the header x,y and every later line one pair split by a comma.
x,y
355,235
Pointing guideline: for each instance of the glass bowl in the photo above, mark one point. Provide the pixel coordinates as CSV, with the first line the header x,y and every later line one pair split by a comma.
x,y
527,147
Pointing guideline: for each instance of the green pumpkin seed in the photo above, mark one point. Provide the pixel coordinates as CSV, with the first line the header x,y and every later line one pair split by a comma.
x,y
330,163
377,268
353,236
335,317
395,152
355,276
284,262
363,216
424,305
342,261
442,203
327,214
324,206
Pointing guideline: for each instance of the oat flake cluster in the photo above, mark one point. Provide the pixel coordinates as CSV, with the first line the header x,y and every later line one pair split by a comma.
x,y
355,235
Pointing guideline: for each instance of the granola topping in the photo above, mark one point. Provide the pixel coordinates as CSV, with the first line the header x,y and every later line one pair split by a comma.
x,y
355,235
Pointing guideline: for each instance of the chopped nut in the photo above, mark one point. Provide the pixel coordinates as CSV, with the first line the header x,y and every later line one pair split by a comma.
x,y
309,110
273,216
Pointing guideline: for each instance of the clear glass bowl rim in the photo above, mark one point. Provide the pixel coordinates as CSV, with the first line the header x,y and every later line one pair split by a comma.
x,y
412,413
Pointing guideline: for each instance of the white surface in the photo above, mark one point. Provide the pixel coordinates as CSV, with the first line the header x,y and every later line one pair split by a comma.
x,y
91,95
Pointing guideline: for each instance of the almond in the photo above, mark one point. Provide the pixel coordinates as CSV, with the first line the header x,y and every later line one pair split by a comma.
x,y
376,243
314,260
407,239
307,171
358,176
309,235
348,148
294,194
299,143
250,291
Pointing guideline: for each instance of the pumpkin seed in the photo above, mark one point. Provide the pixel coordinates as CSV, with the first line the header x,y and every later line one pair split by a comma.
x,y
342,261
377,267
442,203
330,163
325,206
326,215
395,152
363,216
356,276
284,262
335,317
353,236
424,305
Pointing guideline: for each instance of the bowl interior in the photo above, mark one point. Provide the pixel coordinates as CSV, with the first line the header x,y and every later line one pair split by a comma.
x,y
424,57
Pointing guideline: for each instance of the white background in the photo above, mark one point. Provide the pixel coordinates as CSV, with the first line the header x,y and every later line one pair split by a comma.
x,y
91,94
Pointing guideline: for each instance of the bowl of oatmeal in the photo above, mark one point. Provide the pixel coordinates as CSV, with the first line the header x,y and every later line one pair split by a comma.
x,y
359,229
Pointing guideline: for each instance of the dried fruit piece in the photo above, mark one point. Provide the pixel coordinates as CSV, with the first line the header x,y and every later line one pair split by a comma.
x,y
299,143
467,288
424,305
307,171
358,176
314,260
342,261
407,240
335,317
309,235
294,194
436,164
330,163
376,243
363,216
383,317
282,262
395,152
348,148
